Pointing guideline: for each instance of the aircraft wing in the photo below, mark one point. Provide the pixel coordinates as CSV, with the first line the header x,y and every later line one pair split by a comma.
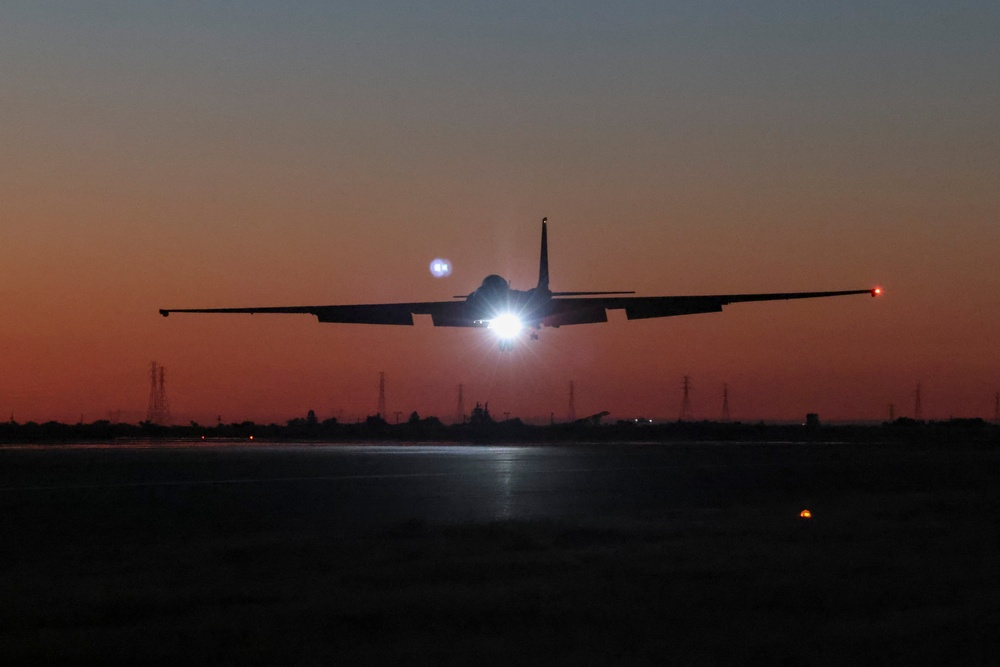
x,y
443,313
587,310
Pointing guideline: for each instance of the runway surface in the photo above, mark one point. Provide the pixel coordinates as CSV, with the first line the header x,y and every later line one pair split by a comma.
x,y
237,553
358,486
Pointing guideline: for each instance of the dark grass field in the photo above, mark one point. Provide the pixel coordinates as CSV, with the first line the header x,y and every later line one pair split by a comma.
x,y
686,555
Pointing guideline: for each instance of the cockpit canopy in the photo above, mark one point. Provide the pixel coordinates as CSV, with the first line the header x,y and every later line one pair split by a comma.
x,y
491,298
494,283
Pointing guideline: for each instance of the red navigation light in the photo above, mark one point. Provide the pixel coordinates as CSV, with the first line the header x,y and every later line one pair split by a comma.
x,y
877,291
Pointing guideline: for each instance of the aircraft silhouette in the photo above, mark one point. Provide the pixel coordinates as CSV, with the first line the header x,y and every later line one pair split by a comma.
x,y
507,311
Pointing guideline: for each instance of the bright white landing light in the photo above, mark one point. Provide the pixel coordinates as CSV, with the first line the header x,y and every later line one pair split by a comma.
x,y
506,326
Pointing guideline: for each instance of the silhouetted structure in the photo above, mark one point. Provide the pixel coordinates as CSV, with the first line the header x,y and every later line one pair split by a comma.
x,y
158,410
481,415
592,420
686,400
725,402
380,412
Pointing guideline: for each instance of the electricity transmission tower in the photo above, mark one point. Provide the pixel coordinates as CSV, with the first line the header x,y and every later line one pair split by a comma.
x,y
158,409
686,400
381,413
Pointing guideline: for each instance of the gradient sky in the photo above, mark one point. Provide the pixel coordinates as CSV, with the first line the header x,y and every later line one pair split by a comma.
x,y
191,154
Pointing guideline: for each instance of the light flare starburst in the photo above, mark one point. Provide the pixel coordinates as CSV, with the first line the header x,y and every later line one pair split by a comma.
x,y
506,326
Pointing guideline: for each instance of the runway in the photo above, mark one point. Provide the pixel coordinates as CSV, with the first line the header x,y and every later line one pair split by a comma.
x,y
371,486
584,554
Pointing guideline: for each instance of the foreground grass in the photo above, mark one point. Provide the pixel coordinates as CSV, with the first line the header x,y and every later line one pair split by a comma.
x,y
740,588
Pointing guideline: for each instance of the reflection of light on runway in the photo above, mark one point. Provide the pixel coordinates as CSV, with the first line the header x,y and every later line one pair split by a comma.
x,y
505,462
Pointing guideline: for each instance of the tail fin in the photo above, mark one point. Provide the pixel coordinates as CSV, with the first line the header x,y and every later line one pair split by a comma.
x,y
543,264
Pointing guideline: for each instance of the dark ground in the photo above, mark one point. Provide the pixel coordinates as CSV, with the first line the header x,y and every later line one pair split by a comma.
x,y
637,554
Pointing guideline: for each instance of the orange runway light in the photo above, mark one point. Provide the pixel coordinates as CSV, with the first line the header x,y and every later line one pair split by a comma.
x,y
805,514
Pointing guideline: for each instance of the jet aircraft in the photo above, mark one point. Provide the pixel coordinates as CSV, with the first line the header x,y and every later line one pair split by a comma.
x,y
508,312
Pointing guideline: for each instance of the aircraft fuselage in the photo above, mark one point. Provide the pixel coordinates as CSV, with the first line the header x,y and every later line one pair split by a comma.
x,y
494,298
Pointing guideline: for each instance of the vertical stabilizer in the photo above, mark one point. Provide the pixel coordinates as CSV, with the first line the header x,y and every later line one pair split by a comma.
x,y
543,263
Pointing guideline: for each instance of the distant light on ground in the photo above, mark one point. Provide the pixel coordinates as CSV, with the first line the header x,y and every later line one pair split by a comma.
x,y
440,268
806,514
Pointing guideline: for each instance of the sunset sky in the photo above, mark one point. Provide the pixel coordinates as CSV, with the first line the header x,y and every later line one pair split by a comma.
x,y
190,154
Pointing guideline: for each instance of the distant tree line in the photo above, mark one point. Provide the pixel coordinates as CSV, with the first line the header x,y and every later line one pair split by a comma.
x,y
481,427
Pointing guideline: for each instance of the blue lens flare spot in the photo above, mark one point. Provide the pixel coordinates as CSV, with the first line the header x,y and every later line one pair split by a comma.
x,y
440,268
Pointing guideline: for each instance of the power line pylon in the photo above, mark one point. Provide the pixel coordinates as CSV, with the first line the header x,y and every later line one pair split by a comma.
x,y
686,400
725,402
158,410
381,413
164,404
571,414
153,405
